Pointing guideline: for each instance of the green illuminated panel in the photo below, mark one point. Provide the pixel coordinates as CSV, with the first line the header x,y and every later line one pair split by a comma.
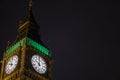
x,y
37,46
14,47
31,43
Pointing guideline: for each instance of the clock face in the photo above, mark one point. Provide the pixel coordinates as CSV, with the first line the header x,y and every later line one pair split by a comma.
x,y
11,64
39,64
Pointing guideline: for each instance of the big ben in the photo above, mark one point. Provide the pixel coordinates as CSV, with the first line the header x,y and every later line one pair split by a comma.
x,y
27,58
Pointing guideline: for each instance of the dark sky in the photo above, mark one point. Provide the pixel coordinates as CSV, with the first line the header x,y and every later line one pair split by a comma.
x,y
83,35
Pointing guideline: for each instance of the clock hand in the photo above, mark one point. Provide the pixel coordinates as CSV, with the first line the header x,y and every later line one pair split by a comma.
x,y
11,64
36,61
39,64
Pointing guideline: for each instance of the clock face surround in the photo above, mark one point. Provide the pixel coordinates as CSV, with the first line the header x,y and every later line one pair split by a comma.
x,y
11,64
39,64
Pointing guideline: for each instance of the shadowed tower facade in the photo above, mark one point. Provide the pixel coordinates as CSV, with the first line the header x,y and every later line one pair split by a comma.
x,y
27,58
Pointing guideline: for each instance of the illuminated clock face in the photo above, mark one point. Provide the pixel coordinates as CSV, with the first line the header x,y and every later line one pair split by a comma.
x,y
11,64
39,64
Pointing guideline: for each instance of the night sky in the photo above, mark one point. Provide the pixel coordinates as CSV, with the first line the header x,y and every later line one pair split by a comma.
x,y
83,35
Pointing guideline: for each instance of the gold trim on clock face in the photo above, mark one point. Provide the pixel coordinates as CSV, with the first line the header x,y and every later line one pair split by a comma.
x,y
11,64
39,64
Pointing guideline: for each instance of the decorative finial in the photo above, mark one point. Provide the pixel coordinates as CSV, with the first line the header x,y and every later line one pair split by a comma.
x,y
20,23
8,44
30,7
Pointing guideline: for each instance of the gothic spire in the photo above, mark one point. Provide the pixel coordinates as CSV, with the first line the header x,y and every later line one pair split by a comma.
x,y
29,28
30,7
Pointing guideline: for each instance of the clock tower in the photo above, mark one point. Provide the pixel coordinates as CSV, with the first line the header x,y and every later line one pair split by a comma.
x,y
27,58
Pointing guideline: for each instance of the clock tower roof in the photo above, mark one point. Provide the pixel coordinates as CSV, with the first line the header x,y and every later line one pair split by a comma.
x,y
29,27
